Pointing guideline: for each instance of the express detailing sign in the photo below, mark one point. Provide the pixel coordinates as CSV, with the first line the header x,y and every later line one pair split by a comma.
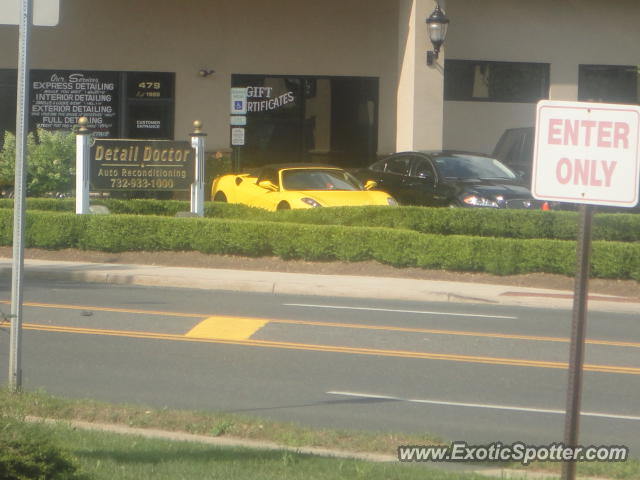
x,y
60,98
142,165
587,153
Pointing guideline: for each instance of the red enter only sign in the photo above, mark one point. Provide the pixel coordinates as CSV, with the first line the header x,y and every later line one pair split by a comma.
x,y
587,153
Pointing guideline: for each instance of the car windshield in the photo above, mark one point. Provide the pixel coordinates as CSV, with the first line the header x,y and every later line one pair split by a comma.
x,y
317,179
472,166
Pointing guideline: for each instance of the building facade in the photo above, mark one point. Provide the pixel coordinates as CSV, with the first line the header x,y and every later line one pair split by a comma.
x,y
336,81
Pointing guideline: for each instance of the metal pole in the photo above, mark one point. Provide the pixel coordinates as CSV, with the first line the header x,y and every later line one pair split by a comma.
x,y
22,130
578,330
237,167
197,187
82,167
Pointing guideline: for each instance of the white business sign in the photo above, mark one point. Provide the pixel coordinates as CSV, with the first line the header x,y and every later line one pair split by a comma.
x,y
238,120
586,153
237,136
45,12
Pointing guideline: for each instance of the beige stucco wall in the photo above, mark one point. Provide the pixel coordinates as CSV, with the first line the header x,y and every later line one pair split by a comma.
x,y
564,33
337,37
420,101
332,37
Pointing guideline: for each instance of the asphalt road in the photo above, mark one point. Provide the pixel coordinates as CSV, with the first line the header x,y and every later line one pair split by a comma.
x,y
477,373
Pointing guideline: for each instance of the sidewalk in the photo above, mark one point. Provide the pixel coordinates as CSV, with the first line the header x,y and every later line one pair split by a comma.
x,y
313,284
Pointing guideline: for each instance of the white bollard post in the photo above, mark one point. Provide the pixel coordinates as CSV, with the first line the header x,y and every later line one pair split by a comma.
x,y
197,187
82,166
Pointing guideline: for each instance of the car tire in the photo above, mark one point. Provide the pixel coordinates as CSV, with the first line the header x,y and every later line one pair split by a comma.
x,y
220,197
284,206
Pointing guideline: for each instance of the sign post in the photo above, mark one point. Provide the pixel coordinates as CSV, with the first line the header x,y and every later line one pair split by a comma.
x,y
22,128
238,121
578,331
197,187
21,12
82,166
585,153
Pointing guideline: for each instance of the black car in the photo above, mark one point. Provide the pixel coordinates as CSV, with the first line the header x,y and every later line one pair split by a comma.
x,y
450,179
515,150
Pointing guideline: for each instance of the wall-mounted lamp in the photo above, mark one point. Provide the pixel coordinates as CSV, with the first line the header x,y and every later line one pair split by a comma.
x,y
437,24
204,73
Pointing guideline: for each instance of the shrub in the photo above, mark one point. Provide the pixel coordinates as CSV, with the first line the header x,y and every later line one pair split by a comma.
x,y
50,162
27,452
398,247
518,224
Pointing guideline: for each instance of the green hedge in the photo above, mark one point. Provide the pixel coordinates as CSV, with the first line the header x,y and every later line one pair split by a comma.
x,y
27,451
442,221
398,247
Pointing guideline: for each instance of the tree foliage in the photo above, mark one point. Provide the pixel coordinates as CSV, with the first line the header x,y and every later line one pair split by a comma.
x,y
50,162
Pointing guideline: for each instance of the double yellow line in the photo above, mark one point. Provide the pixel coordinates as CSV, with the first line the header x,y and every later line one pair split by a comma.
x,y
238,331
335,349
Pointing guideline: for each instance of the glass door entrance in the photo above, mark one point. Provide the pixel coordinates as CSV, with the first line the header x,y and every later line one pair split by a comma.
x,y
293,119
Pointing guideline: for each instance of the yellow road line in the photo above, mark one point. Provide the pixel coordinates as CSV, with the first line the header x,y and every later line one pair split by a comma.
x,y
108,309
226,328
612,343
456,333
336,349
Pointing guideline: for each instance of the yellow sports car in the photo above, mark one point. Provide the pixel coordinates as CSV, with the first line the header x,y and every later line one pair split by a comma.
x,y
281,187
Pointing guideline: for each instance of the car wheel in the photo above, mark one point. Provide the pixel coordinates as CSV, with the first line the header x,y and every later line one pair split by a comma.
x,y
220,197
284,206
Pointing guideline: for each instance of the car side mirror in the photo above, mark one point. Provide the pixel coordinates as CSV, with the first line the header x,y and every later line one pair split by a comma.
x,y
268,185
425,175
370,185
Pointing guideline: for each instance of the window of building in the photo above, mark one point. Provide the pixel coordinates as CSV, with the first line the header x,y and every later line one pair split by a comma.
x,y
608,83
117,104
483,81
295,118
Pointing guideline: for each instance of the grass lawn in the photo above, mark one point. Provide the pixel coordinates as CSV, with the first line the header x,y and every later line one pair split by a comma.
x,y
115,456
111,456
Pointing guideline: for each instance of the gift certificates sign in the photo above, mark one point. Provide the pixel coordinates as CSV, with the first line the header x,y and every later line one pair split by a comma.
x,y
587,153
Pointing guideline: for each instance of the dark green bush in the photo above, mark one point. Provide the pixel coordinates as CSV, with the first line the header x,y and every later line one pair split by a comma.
x,y
27,452
6,227
394,246
476,222
50,164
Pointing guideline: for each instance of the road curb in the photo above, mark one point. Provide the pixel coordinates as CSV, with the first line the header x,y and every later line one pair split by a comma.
x,y
285,283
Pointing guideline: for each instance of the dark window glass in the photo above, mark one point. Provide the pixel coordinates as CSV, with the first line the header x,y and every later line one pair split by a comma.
x,y
117,104
608,83
150,85
514,82
378,166
398,165
472,166
292,119
319,180
271,175
8,90
150,105
423,168
149,120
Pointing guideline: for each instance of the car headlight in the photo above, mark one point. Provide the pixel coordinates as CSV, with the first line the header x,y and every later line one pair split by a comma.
x,y
392,202
311,201
476,201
